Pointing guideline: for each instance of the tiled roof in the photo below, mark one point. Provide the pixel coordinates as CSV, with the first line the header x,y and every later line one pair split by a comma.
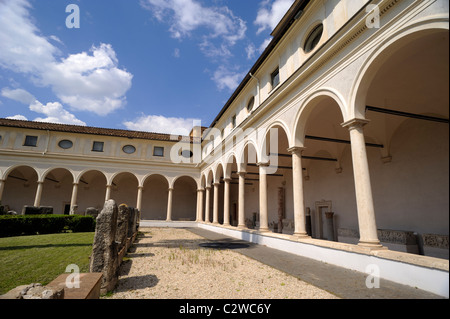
x,y
92,130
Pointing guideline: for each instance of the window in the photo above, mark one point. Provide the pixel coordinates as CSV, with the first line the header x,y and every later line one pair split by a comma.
x,y
97,147
275,78
314,38
250,104
233,121
129,149
31,141
187,154
158,151
65,144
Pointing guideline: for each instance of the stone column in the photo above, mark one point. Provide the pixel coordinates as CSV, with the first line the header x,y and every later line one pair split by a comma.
x,y
108,193
2,186
169,205
73,200
139,198
207,204
226,202
241,208
263,217
200,192
37,199
216,203
297,180
364,199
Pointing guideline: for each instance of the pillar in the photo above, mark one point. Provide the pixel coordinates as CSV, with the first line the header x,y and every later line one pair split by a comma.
x,y
226,202
169,205
263,217
108,193
37,199
73,200
363,189
216,203
299,202
241,203
2,186
207,204
139,198
200,193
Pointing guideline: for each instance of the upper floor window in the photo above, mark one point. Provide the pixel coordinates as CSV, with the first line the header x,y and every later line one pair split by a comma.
x,y
158,151
313,38
129,149
65,144
30,141
251,104
233,121
97,146
275,78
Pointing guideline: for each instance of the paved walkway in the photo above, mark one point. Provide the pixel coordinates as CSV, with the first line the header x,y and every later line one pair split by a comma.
x,y
339,281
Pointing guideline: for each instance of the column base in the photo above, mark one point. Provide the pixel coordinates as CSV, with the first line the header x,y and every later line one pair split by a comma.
x,y
241,227
301,235
371,244
264,230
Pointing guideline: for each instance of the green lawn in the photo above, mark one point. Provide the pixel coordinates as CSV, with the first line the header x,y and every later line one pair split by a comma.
x,y
40,259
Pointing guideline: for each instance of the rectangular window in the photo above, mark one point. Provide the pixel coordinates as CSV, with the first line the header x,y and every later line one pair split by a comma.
x,y
233,121
97,147
31,141
275,78
158,151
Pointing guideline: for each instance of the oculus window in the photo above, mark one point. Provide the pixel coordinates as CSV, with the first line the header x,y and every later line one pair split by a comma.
x,y
97,147
158,151
313,38
65,144
30,141
129,149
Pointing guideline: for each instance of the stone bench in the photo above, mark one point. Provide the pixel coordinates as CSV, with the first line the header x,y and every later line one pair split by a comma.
x,y
89,286
435,245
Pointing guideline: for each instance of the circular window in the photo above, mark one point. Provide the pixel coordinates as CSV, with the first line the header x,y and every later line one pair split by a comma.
x,y
65,144
313,38
129,149
250,104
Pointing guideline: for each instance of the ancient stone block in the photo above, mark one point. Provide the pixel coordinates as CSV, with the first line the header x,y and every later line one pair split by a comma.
x,y
104,250
122,226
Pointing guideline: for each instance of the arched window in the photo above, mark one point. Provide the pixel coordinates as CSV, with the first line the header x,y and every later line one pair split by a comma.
x,y
313,38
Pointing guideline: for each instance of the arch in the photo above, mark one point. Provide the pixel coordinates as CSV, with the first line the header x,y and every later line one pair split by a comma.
x,y
262,152
51,169
197,182
124,191
184,198
231,159
113,176
57,189
244,155
393,43
209,177
146,177
19,190
77,178
12,168
219,172
308,106
91,189
154,197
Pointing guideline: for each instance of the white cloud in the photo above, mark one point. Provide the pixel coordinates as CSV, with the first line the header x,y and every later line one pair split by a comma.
x,y
227,78
54,111
186,16
271,13
161,124
89,82
17,117
18,95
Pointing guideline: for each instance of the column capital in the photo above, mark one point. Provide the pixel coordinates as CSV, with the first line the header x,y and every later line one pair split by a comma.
x,y
170,189
263,164
140,187
200,190
227,179
75,184
241,173
296,150
355,123
216,184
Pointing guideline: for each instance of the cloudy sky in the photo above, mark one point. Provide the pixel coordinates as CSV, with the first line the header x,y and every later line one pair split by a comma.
x,y
150,65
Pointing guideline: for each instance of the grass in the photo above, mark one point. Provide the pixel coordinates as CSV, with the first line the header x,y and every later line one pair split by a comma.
x,y
40,259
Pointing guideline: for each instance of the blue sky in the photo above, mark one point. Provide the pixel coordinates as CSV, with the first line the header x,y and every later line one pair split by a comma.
x,y
150,65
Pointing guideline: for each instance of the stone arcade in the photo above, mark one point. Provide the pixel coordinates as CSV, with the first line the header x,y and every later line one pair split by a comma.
x,y
337,137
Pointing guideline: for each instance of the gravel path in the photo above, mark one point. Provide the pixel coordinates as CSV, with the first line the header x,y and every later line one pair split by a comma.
x,y
167,263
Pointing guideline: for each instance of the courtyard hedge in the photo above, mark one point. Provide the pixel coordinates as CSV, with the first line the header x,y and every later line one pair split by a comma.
x,y
20,225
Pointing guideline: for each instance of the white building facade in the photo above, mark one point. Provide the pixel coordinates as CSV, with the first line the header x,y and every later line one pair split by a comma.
x,y
336,138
